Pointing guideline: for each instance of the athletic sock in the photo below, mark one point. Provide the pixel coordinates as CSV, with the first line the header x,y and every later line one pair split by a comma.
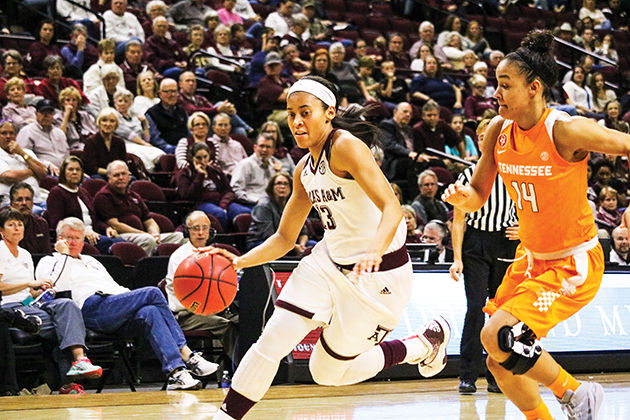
x,y
563,382
394,352
235,406
539,413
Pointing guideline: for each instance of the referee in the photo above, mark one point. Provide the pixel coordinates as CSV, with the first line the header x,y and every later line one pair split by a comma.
x,y
489,239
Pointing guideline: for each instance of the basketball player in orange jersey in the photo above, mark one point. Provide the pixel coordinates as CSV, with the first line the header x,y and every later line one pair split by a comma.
x,y
357,280
541,154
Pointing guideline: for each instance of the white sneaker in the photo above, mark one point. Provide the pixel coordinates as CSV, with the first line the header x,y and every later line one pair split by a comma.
x,y
199,366
435,335
181,379
584,402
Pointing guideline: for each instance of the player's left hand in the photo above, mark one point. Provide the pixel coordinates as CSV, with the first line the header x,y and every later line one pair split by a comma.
x,y
220,251
369,262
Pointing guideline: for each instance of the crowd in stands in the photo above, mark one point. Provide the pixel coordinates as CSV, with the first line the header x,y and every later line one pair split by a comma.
x,y
190,96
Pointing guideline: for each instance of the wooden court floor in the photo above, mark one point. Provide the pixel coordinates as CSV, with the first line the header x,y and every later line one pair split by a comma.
x,y
396,400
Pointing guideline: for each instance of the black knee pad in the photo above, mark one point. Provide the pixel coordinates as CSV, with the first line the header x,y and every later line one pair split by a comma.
x,y
520,341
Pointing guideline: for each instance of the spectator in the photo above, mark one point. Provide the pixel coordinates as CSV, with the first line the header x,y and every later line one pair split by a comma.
x,y
588,40
267,213
191,102
48,142
426,205
12,67
317,30
227,16
414,235
601,95
61,318
134,64
199,127
481,68
134,129
78,53
44,46
282,154
79,16
167,120
229,152
435,232
471,153
396,53
223,325
245,10
222,47
426,30
207,186
51,86
603,173
474,34
16,109
477,103
298,36
103,147
153,9
432,84
612,120
452,24
280,19
36,231
188,12
434,132
77,124
127,213
122,26
424,51
360,51
200,61
401,156
617,13
69,199
103,96
494,59
620,246
579,95
257,66
110,308
589,9
455,51
92,77
251,175
392,89
210,22
470,59
608,215
164,54
146,92
293,64
18,165
271,94
320,66
607,49
349,83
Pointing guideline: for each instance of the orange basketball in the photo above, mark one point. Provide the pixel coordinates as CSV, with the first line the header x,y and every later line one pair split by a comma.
x,y
205,283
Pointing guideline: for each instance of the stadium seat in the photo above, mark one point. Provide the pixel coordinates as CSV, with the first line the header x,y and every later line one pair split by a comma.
x,y
165,250
128,252
165,224
93,185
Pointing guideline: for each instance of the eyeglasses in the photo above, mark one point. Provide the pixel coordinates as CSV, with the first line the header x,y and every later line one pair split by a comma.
x,y
169,91
286,184
72,238
199,228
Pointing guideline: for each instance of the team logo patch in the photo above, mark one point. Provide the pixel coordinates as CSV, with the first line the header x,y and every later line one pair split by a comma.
x,y
502,140
322,167
545,299
544,156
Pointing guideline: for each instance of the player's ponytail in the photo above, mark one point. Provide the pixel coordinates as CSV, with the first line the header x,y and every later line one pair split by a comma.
x,y
535,59
352,118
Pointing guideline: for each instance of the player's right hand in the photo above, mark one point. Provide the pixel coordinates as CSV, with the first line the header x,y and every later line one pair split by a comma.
x,y
456,270
456,193
220,251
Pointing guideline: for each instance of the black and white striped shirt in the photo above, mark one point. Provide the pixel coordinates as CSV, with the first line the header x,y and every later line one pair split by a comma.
x,y
497,213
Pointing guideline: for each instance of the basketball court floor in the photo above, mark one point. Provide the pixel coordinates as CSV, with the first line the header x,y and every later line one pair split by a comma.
x,y
395,400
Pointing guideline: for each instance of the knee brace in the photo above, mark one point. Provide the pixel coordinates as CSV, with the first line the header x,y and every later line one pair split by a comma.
x,y
523,346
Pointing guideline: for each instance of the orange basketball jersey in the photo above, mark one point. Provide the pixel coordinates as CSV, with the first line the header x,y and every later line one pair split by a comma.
x,y
549,192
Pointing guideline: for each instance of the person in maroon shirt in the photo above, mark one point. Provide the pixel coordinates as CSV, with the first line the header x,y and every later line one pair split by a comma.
x,y
103,147
12,67
396,53
36,231
134,64
165,54
477,103
271,95
40,49
51,86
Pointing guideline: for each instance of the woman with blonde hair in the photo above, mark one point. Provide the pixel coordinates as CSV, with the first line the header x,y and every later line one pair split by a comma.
x,y
103,147
77,123
16,110
199,128
146,92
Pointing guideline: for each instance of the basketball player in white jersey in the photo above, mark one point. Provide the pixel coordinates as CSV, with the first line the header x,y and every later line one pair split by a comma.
x,y
357,280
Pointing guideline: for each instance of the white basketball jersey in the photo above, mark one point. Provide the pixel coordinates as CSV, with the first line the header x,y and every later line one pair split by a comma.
x,y
348,215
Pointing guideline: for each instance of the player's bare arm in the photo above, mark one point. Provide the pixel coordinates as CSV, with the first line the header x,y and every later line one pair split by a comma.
x,y
578,136
457,238
293,218
352,157
471,197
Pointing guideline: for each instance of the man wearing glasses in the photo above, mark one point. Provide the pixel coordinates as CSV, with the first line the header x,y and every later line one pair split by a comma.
x,y
167,120
223,325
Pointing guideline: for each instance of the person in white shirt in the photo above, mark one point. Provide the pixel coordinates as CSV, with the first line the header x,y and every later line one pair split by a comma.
x,y
620,246
280,19
223,325
108,307
121,26
92,77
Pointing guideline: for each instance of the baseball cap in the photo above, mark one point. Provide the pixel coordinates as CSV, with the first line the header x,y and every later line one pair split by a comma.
x,y
308,3
44,105
272,58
